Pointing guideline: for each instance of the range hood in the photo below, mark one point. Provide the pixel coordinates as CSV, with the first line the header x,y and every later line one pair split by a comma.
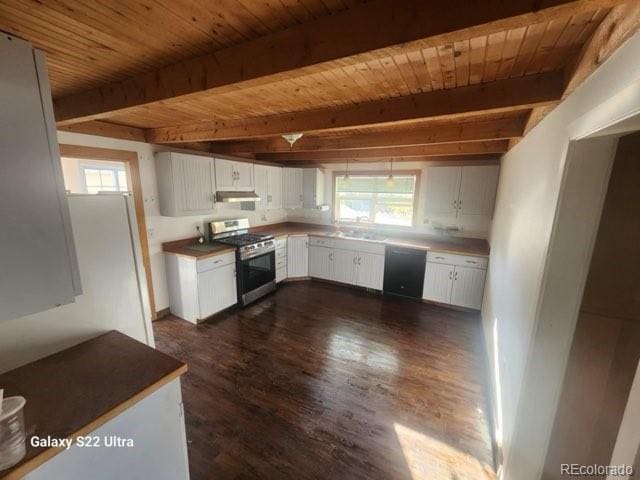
x,y
229,197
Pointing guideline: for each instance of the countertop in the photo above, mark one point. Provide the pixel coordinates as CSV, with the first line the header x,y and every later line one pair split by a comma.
x,y
460,245
75,391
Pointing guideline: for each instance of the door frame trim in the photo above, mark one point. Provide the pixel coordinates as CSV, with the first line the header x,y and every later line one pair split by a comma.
x,y
130,159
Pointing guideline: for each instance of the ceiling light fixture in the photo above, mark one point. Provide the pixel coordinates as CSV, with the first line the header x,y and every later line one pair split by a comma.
x,y
390,177
292,137
346,177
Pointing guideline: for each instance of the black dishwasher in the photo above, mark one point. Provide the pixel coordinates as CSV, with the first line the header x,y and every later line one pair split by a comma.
x,y
404,271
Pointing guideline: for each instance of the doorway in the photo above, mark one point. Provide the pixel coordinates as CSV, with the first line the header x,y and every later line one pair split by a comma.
x,y
92,170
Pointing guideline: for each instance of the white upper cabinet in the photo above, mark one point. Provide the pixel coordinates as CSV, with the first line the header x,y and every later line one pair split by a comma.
x,y
268,186
461,191
478,190
38,258
313,188
261,183
274,191
186,184
442,190
292,187
232,176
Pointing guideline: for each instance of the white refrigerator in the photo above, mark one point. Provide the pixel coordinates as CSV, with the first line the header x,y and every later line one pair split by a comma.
x,y
114,287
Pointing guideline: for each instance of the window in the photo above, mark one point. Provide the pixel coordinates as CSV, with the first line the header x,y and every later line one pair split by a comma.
x,y
375,199
105,179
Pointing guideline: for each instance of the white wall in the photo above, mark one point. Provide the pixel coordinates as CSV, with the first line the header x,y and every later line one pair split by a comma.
x,y
517,321
163,229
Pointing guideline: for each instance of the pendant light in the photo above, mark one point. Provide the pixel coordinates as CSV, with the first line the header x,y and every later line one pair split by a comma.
x,y
346,176
390,180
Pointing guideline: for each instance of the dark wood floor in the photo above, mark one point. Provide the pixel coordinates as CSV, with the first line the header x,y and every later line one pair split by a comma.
x,y
320,381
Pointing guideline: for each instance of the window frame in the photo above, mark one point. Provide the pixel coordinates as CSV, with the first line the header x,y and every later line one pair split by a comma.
x,y
115,169
377,173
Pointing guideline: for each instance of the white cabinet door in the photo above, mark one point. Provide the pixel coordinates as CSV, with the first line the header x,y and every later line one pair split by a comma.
x,y
438,280
38,265
244,176
468,287
261,173
298,256
292,187
275,187
344,266
442,189
478,190
370,270
312,187
195,175
217,290
225,175
320,262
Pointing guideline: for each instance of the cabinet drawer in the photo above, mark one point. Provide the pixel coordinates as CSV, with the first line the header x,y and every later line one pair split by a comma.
x,y
281,253
281,242
321,242
461,260
215,262
352,245
281,262
370,247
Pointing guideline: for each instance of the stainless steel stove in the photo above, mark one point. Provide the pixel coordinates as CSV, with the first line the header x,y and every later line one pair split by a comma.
x,y
255,257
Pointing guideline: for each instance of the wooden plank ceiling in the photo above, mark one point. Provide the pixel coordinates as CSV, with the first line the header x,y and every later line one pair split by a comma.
x,y
408,79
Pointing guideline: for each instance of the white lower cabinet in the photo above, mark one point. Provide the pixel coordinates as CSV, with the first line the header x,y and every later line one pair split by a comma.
x,y
370,270
217,290
200,288
438,282
351,262
344,266
298,256
468,287
451,282
320,262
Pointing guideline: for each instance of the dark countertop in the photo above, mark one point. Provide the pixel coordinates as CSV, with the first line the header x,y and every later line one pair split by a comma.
x,y
75,391
459,245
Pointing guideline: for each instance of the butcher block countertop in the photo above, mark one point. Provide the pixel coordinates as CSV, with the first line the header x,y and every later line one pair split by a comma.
x,y
181,247
75,391
459,245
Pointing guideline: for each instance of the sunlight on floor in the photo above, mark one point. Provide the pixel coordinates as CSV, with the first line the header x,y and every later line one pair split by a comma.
x,y
355,348
430,459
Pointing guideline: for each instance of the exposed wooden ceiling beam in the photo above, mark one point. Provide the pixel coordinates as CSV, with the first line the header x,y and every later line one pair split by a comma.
x,y
616,28
442,149
106,129
436,132
378,27
499,96
480,159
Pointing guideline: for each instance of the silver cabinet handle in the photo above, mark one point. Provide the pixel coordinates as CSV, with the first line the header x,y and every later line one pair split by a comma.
x,y
455,277
455,204
440,258
359,260
355,260
450,275
460,205
471,261
331,256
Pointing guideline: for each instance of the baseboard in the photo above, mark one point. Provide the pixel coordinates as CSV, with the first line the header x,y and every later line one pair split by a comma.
x,y
162,313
